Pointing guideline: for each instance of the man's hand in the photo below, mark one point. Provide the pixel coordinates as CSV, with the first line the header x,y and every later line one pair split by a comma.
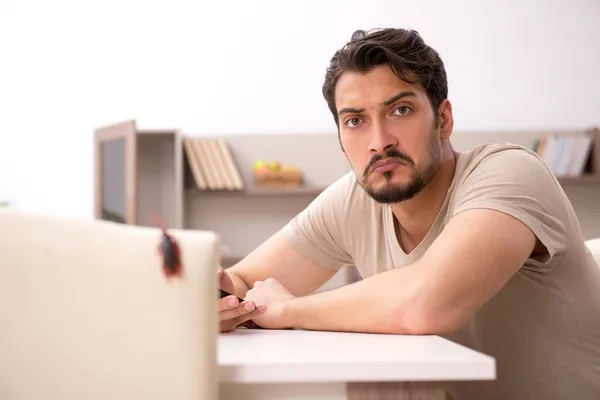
x,y
274,296
232,313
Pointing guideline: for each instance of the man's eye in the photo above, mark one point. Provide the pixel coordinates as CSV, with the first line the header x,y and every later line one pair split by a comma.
x,y
352,122
402,110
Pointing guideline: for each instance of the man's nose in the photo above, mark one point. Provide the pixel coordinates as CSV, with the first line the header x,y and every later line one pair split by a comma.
x,y
381,139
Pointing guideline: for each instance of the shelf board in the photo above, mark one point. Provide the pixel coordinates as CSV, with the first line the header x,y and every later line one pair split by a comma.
x,y
590,179
268,191
313,190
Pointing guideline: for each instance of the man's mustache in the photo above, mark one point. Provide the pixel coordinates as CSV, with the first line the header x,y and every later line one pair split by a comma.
x,y
389,154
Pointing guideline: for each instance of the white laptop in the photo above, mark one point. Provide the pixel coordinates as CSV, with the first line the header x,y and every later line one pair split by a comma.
x,y
86,312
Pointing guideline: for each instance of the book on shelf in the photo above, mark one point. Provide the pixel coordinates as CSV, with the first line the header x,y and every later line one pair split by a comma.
x,y
212,164
566,155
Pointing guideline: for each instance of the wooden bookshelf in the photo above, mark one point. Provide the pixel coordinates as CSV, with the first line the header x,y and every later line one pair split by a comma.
x,y
140,171
137,172
197,183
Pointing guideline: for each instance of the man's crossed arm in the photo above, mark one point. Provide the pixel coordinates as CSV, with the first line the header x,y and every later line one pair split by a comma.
x,y
478,251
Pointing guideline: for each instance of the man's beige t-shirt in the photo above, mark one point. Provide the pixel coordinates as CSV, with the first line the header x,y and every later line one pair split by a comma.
x,y
543,327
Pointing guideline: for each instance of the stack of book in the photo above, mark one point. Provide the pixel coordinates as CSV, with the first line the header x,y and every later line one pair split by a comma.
x,y
565,155
212,164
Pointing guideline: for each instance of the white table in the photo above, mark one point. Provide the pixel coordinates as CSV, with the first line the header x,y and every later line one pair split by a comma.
x,y
295,364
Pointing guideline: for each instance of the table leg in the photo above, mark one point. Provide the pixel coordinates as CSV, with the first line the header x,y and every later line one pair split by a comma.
x,y
395,391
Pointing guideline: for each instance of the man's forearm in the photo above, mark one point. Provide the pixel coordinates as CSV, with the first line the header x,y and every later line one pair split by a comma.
x,y
377,304
241,287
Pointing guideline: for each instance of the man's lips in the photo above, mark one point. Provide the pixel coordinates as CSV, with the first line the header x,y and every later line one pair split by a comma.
x,y
386,165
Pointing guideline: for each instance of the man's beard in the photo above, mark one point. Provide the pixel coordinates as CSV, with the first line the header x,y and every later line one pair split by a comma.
x,y
397,192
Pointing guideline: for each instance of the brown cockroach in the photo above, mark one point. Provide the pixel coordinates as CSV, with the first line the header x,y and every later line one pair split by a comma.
x,y
169,250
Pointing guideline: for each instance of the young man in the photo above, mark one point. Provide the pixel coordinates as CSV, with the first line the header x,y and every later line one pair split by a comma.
x,y
481,247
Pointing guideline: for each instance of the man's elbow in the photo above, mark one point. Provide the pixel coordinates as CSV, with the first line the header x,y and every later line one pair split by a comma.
x,y
421,321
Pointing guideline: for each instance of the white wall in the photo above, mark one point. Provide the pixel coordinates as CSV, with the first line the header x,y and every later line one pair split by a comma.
x,y
257,66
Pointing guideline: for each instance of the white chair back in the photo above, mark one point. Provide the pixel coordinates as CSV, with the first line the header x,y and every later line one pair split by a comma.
x,y
86,312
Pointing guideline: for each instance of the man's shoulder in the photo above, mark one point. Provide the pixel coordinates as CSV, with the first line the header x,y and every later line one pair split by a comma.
x,y
514,180
506,175
503,151
502,160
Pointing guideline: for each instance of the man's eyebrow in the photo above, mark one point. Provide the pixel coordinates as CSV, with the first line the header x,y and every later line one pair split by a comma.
x,y
350,110
391,100
397,97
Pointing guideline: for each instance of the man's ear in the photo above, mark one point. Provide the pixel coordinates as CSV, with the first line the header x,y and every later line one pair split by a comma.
x,y
445,119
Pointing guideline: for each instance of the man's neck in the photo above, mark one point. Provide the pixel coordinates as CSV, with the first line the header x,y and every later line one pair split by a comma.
x,y
415,217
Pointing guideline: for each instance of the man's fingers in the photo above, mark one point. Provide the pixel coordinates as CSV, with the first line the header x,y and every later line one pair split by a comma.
x,y
242,308
243,318
242,312
228,303
231,323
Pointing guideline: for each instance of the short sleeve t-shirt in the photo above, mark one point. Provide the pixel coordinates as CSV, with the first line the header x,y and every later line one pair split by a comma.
x,y
543,327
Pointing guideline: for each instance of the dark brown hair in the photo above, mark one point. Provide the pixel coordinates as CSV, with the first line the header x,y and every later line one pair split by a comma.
x,y
411,59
